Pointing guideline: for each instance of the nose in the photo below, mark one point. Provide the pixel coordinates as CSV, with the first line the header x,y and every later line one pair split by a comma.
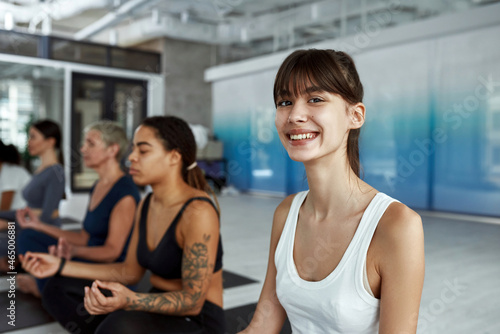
x,y
298,113
132,156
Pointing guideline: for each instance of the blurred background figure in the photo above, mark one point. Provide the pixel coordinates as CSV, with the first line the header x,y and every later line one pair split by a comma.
x,y
13,178
46,188
110,213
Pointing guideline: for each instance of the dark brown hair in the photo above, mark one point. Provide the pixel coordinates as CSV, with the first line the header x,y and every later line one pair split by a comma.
x,y
50,129
9,154
325,70
175,134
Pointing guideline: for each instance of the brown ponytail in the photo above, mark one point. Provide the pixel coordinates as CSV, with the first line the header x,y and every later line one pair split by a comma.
x,y
176,134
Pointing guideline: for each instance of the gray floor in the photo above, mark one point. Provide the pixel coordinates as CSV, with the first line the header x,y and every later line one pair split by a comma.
x,y
462,285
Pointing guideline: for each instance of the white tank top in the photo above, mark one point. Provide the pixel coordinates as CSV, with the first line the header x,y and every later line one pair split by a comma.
x,y
339,303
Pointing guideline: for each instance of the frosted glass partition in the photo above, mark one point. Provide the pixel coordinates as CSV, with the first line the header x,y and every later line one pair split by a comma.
x,y
393,144
245,123
467,103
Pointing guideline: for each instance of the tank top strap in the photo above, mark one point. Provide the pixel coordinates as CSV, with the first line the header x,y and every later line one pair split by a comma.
x,y
285,243
144,215
373,214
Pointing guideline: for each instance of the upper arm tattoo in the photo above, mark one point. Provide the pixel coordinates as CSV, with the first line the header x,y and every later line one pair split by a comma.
x,y
196,270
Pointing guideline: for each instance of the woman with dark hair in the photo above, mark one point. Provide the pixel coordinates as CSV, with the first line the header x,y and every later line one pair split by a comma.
x,y
176,236
13,178
344,258
110,214
46,187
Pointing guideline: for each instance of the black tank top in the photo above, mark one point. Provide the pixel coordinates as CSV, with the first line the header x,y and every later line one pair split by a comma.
x,y
166,259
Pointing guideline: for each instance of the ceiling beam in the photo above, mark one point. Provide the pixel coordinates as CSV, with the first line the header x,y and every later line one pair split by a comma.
x,y
113,18
247,29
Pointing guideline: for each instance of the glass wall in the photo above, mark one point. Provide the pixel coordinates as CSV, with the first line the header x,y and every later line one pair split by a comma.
x,y
28,93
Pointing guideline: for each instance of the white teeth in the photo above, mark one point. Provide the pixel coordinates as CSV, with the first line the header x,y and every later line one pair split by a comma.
x,y
302,136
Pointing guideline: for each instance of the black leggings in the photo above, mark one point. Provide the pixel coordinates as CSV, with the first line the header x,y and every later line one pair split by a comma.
x,y
63,299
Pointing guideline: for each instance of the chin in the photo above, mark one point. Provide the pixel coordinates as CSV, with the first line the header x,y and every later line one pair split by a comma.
x,y
300,156
137,180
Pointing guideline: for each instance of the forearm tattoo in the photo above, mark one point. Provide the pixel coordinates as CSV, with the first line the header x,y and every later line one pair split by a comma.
x,y
195,273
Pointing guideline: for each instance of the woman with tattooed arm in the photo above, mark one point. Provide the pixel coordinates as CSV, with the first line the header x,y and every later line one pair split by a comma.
x,y
176,236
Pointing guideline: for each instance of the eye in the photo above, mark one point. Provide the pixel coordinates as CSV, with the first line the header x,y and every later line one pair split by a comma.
x,y
315,100
283,103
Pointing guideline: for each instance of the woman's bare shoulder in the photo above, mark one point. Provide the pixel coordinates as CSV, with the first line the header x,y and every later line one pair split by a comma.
x,y
400,227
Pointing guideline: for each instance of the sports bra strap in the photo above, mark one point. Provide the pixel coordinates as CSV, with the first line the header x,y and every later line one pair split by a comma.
x,y
200,199
145,205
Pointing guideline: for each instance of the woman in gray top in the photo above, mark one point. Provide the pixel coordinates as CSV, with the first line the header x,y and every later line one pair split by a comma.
x,y
46,188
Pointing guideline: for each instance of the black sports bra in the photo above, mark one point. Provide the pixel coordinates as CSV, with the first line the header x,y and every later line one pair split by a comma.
x,y
166,259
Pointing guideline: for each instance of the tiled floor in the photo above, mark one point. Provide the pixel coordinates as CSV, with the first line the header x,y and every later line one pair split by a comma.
x,y
462,285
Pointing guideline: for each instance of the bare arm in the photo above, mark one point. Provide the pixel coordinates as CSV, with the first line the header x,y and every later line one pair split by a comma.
x,y
7,198
128,272
79,238
270,315
200,231
402,267
120,224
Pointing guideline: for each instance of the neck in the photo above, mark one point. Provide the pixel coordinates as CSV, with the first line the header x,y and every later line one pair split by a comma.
x,y
48,158
334,188
170,190
109,171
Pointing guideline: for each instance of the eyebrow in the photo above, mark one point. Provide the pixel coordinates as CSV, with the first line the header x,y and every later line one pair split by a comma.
x,y
141,143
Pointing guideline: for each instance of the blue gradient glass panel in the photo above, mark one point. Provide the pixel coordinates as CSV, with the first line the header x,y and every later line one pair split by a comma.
x,y
244,121
268,164
393,153
467,76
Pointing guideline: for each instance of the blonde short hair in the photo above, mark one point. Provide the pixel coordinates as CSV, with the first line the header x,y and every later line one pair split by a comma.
x,y
111,133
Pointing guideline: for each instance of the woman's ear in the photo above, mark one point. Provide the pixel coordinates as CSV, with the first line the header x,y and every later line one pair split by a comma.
x,y
51,141
175,157
114,149
357,115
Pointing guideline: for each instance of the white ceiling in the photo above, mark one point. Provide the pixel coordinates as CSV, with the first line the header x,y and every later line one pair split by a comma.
x,y
246,27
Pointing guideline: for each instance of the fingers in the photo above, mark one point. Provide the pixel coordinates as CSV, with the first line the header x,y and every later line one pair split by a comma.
x,y
106,285
90,304
20,217
95,302
64,249
30,213
52,250
29,262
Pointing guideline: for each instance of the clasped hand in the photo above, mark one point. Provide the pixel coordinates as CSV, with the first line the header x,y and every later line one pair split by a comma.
x,y
62,249
27,218
40,265
97,303
43,265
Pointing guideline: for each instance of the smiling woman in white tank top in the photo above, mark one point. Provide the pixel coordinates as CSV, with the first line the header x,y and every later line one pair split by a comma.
x,y
344,258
